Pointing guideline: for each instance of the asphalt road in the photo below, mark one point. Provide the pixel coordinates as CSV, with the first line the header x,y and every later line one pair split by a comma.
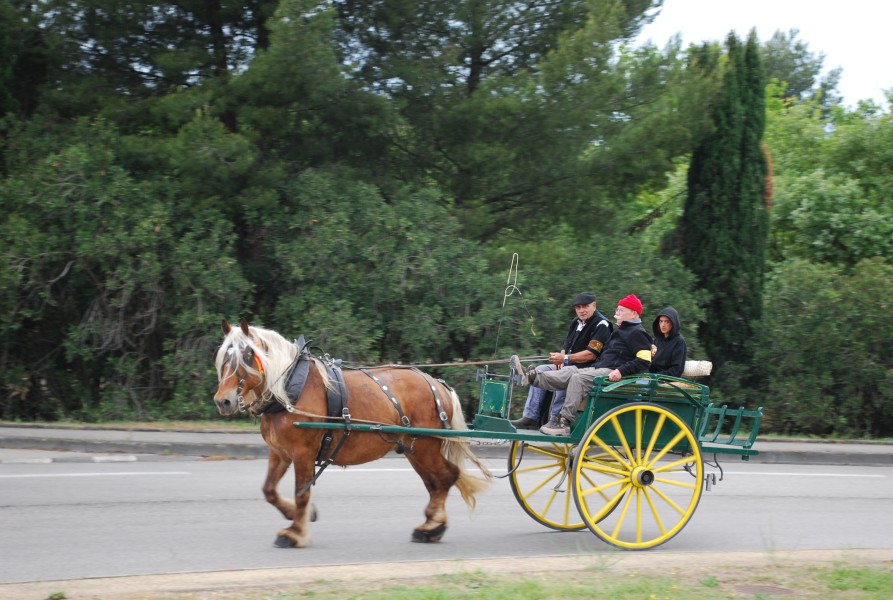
x,y
76,520
103,514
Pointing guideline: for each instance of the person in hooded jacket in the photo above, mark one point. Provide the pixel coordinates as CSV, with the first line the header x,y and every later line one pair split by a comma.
x,y
669,349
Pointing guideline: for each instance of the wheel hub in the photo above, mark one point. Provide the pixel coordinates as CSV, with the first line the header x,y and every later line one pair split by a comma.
x,y
642,477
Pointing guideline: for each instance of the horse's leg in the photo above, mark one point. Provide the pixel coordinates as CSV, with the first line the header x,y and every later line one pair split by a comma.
x,y
297,535
276,468
277,465
439,475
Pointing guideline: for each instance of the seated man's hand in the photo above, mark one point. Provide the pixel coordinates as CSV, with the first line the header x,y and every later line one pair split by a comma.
x,y
615,375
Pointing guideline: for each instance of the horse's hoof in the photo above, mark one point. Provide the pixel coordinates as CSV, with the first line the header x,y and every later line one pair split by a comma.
x,y
284,541
314,514
424,537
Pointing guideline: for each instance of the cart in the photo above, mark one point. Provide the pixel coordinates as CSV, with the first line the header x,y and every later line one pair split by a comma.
x,y
633,469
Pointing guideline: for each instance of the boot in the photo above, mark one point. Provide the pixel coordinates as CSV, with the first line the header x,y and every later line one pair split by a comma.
x,y
525,423
557,426
528,376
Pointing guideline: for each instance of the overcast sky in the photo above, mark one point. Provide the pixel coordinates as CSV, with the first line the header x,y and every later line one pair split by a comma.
x,y
853,34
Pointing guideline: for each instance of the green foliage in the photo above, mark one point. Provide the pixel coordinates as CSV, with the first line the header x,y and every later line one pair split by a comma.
x,y
823,359
827,218
363,172
208,160
372,280
725,223
789,61
99,272
539,108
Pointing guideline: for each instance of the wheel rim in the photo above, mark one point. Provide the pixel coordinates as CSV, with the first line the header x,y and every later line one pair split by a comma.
x,y
536,469
647,489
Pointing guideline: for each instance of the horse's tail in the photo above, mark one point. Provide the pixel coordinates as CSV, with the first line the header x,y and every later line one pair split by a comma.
x,y
457,451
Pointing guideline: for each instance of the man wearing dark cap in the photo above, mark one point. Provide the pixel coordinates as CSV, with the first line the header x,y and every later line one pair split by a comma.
x,y
586,337
626,352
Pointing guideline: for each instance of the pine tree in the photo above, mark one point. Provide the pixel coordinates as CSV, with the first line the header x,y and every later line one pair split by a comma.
x,y
725,223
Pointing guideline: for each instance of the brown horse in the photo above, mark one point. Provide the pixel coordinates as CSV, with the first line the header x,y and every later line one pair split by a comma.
x,y
252,364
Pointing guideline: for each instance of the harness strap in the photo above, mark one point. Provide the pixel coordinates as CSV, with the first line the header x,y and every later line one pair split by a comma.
x,y
336,398
403,418
322,464
440,411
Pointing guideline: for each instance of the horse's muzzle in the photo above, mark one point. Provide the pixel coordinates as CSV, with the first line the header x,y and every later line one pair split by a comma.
x,y
226,406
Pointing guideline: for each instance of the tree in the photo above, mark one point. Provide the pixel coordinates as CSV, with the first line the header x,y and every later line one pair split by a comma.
x,y
725,221
518,110
833,183
810,386
107,294
26,56
90,56
789,60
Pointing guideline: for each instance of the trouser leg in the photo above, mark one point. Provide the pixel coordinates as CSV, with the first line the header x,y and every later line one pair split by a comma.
x,y
578,386
558,398
554,380
557,404
536,396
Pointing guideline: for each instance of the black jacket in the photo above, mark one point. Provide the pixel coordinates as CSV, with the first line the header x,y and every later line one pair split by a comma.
x,y
669,352
628,349
593,337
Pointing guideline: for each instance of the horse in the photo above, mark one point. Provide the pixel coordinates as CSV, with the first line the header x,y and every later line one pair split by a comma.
x,y
252,367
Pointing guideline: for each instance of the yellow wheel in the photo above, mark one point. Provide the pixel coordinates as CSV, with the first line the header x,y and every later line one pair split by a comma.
x,y
538,473
637,476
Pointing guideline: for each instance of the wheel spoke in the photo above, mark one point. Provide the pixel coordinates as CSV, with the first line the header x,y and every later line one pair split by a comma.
x,y
603,487
605,470
669,501
622,517
609,506
622,437
670,466
608,449
542,484
683,484
543,467
535,472
669,446
553,453
655,513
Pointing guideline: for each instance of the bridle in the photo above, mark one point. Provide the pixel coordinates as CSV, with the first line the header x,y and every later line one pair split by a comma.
x,y
249,357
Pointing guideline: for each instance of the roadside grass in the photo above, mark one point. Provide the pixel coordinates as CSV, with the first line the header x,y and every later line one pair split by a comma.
x,y
855,580
851,582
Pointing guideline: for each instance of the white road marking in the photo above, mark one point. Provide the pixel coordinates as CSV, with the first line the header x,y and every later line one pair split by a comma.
x,y
805,474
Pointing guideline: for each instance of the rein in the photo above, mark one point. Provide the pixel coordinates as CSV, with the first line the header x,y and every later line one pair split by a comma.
x,y
498,361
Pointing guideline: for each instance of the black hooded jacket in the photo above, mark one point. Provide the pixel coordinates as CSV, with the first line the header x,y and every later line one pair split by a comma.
x,y
669,352
628,350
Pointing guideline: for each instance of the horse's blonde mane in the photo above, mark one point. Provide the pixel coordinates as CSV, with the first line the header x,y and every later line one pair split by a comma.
x,y
275,353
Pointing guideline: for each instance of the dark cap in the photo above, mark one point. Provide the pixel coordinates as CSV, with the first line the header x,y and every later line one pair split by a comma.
x,y
583,298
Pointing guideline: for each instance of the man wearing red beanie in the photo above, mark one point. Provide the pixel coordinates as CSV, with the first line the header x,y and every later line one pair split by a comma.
x,y
627,351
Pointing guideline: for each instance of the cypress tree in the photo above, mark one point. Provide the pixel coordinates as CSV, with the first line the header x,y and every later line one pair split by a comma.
x,y
725,222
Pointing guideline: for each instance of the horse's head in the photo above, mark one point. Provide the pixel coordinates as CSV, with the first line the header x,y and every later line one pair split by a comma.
x,y
241,377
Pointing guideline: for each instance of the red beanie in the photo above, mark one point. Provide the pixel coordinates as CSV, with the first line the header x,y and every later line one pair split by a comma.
x,y
632,303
